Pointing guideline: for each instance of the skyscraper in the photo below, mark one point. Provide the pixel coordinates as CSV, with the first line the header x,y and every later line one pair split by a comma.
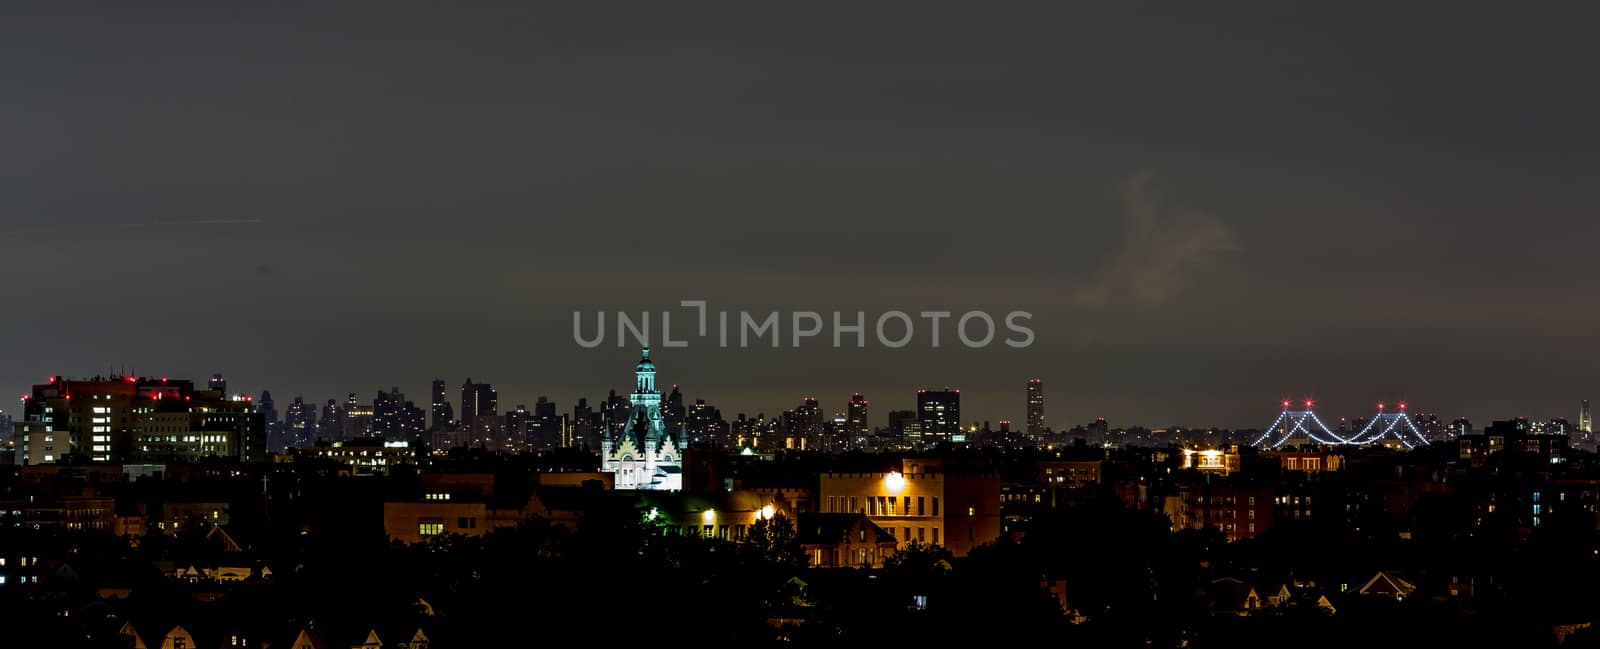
x,y
480,415
330,426
616,411
1585,419
357,420
299,424
672,411
858,424
1035,421
802,426
706,425
269,415
443,415
395,419
219,384
545,428
583,425
519,426
939,414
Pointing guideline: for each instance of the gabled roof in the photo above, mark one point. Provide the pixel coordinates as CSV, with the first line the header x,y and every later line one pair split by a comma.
x,y
128,631
830,528
1388,584
308,639
222,540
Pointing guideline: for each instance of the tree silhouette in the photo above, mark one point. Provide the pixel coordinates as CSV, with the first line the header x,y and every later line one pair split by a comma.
x,y
773,542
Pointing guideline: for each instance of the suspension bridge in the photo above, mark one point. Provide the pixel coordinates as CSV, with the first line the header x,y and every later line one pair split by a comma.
x,y
1304,424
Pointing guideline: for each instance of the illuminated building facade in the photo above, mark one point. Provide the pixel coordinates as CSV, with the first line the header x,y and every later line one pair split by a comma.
x,y
366,456
939,415
124,419
643,455
921,502
1220,462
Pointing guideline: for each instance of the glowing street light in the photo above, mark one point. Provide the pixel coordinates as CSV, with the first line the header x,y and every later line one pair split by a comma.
x,y
894,482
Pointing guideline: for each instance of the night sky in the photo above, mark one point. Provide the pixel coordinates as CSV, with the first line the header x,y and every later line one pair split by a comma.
x,y
1206,206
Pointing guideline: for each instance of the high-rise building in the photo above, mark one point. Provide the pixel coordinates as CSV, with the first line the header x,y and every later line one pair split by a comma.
x,y
616,411
330,426
546,427
939,415
583,428
129,419
1429,425
269,415
1035,421
1100,431
357,418
1585,419
519,427
672,411
480,415
802,426
299,424
443,415
902,423
219,384
706,425
858,422
395,419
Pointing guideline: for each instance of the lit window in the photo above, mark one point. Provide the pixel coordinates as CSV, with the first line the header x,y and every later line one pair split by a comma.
x,y
430,529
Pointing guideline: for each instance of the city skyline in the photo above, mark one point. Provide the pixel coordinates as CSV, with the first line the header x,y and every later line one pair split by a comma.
x,y
907,399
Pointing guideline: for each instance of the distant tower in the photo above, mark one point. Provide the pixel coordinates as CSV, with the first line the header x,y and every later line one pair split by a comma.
x,y
644,455
480,414
1585,419
858,419
443,415
1035,421
330,425
269,414
219,384
299,423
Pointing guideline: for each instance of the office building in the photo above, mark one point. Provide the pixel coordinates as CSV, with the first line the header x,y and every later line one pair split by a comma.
x,y
1035,412
939,415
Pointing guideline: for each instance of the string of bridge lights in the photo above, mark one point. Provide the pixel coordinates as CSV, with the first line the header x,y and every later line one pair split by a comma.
x,y
1292,423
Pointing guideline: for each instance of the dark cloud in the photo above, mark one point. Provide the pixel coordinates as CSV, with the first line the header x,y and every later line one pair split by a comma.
x,y
416,190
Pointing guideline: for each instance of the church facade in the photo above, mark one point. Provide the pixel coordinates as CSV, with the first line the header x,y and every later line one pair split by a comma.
x,y
643,455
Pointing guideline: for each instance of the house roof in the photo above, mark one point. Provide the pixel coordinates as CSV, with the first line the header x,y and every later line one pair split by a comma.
x,y
830,528
1388,583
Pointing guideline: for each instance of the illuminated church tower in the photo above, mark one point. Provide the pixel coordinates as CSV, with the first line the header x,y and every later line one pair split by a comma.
x,y
643,455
